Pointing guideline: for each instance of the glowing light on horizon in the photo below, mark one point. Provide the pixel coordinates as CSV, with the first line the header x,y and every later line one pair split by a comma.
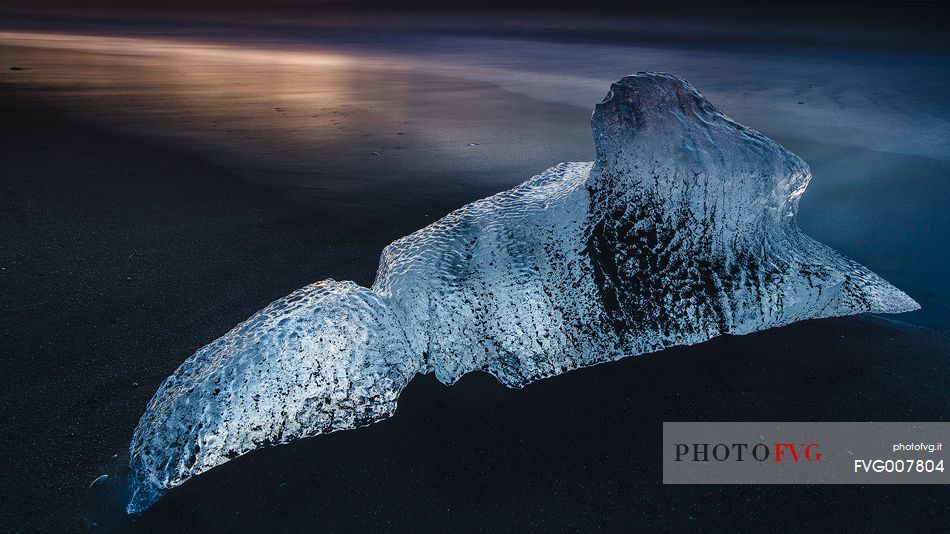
x,y
244,105
136,46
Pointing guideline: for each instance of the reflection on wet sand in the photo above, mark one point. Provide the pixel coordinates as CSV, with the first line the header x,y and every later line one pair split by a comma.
x,y
288,117
255,105
394,130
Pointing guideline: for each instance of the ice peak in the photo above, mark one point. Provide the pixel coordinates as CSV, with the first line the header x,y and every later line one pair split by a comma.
x,y
658,140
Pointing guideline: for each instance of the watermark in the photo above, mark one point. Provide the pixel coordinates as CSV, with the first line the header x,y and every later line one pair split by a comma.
x,y
805,453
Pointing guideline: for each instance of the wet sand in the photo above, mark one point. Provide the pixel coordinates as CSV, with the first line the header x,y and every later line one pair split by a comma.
x,y
365,124
134,229
320,122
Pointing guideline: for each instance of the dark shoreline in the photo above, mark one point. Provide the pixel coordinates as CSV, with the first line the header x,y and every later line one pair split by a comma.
x,y
120,259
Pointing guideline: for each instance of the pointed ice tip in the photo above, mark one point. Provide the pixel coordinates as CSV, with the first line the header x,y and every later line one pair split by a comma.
x,y
143,496
904,303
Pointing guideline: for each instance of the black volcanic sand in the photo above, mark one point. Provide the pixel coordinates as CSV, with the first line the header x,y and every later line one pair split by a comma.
x,y
119,260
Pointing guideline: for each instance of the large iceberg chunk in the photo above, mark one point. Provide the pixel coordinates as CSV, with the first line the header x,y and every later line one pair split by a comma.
x,y
682,229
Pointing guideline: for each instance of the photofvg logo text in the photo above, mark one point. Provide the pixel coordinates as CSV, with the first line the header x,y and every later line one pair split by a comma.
x,y
804,453
743,452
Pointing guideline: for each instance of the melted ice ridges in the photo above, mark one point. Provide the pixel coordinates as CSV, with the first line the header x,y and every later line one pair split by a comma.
x,y
681,230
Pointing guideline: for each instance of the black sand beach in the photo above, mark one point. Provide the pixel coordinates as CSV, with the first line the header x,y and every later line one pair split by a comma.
x,y
121,254
119,259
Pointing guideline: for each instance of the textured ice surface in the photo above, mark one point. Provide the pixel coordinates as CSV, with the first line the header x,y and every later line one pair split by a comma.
x,y
682,230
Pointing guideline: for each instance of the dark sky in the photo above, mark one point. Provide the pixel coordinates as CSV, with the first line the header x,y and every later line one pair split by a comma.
x,y
816,8
887,15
